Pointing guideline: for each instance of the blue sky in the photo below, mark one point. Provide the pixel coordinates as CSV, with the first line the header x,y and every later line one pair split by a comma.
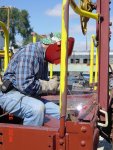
x,y
45,17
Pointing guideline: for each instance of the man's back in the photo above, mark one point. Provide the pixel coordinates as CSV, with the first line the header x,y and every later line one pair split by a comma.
x,y
26,67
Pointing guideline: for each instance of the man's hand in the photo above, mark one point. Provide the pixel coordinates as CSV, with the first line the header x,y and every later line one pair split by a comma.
x,y
49,87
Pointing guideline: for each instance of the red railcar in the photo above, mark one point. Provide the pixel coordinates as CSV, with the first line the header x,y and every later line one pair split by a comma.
x,y
89,115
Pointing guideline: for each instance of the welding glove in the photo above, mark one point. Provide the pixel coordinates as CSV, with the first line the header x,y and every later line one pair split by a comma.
x,y
49,87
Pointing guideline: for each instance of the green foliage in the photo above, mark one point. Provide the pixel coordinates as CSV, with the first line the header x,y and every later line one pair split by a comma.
x,y
18,23
29,39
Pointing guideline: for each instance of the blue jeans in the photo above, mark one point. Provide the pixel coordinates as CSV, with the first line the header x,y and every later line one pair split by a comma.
x,y
30,109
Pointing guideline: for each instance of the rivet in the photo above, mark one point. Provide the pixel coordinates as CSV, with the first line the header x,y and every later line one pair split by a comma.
x,y
50,136
1,134
61,141
83,129
49,145
83,143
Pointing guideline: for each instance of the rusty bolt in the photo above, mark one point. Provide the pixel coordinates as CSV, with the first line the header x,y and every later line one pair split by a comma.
x,y
49,146
61,141
83,129
50,136
1,133
83,143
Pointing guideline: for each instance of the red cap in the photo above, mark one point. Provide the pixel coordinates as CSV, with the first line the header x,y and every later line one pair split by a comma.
x,y
53,51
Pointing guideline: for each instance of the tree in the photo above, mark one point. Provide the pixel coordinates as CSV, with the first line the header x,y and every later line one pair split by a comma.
x,y
29,39
18,23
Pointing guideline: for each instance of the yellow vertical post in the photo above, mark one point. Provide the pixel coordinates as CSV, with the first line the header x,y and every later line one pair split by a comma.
x,y
51,70
34,37
96,68
6,51
10,55
91,59
64,37
8,18
6,45
64,62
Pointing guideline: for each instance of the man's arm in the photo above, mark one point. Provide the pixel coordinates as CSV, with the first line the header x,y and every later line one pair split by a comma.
x,y
25,73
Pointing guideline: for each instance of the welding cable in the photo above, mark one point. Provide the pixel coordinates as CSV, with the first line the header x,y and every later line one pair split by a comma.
x,y
8,112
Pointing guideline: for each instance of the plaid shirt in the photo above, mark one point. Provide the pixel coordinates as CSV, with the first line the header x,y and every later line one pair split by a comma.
x,y
26,67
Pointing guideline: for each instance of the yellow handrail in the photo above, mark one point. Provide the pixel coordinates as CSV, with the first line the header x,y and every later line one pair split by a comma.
x,y
6,45
92,62
2,53
96,67
82,12
34,38
64,37
51,70
91,59
63,73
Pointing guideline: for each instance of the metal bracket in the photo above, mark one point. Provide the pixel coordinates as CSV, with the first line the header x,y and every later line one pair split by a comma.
x,y
106,119
95,42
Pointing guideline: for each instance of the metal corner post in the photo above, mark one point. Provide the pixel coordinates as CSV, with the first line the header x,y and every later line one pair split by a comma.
x,y
103,9
64,65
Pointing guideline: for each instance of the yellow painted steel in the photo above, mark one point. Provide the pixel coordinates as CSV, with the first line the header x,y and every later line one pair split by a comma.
x,y
96,67
10,55
34,38
2,53
6,45
64,37
51,70
91,59
82,12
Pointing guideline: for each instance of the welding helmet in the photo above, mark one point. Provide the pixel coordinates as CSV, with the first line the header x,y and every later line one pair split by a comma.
x,y
52,54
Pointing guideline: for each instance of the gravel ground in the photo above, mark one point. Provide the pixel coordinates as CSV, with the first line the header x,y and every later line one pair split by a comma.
x,y
104,145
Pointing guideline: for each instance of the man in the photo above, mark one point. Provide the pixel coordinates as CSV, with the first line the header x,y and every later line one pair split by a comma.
x,y
27,73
